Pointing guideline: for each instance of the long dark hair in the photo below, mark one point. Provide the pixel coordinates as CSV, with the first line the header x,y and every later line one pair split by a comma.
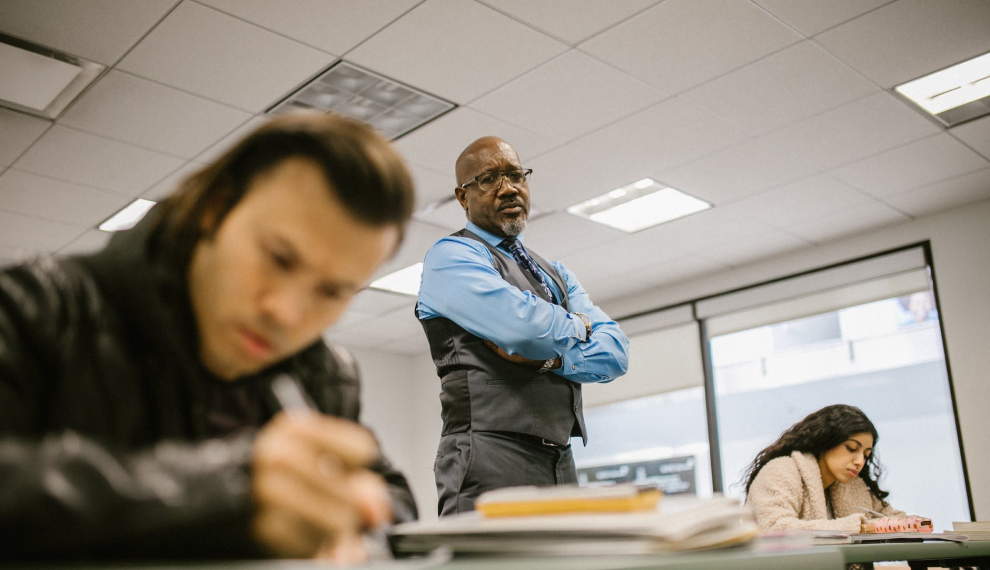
x,y
363,170
819,432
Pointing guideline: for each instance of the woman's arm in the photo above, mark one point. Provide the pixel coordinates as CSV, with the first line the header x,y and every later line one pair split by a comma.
x,y
777,496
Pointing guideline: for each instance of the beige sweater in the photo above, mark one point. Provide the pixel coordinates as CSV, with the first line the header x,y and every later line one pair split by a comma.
x,y
788,493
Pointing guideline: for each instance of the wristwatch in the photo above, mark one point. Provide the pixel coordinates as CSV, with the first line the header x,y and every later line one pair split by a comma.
x,y
547,366
587,325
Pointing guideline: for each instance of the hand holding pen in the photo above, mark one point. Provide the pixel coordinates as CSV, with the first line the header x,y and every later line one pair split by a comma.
x,y
312,489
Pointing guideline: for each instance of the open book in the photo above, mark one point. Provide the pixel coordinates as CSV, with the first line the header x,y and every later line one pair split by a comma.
x,y
676,524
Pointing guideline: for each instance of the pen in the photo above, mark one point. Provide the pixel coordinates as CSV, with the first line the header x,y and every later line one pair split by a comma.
x,y
292,398
290,394
872,512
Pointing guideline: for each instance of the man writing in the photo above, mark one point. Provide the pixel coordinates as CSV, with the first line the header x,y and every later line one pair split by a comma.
x,y
136,412
512,335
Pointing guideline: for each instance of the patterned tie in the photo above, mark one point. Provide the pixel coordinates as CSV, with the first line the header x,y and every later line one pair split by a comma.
x,y
523,259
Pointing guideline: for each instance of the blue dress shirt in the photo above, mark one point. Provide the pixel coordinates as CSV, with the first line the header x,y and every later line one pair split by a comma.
x,y
460,282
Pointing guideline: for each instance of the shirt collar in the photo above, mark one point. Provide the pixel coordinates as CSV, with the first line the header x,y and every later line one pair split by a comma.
x,y
488,236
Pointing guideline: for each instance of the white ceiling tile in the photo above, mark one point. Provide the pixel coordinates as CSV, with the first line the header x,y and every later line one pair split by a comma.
x,y
736,172
334,26
682,43
788,86
9,255
701,231
953,193
98,30
227,142
974,133
375,302
90,160
19,131
663,136
605,286
392,326
910,166
586,95
676,269
856,130
455,49
419,238
798,201
25,193
560,234
911,38
814,16
570,20
447,215
862,218
430,186
143,113
222,58
438,144
21,232
90,242
753,248
168,184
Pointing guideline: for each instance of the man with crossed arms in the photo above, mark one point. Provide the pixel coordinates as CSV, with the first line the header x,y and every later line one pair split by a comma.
x,y
513,337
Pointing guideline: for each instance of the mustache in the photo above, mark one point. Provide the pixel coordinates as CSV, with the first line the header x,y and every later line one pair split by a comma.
x,y
513,204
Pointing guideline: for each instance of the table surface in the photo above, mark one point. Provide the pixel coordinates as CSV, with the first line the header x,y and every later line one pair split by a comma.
x,y
742,558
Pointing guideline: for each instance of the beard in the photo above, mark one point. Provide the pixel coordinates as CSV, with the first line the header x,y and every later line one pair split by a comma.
x,y
514,226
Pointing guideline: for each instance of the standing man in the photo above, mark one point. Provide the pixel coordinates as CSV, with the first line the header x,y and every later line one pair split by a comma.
x,y
137,412
513,337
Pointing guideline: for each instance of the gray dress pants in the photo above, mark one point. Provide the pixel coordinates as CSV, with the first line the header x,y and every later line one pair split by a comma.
x,y
472,462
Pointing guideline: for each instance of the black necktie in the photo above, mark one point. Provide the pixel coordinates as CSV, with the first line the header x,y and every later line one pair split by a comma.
x,y
523,259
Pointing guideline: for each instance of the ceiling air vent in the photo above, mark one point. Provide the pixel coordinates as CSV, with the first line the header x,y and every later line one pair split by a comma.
x,y
39,80
394,109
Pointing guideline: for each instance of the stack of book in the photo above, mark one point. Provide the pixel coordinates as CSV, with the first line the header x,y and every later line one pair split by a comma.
x,y
976,530
575,521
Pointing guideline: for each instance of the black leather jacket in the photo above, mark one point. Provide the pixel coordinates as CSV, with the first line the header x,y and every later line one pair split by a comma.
x,y
104,444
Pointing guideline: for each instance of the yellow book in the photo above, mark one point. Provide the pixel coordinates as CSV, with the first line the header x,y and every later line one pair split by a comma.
x,y
530,501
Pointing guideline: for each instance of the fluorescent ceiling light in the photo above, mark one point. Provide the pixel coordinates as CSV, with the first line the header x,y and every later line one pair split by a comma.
x,y
405,281
394,109
638,206
40,81
955,94
126,218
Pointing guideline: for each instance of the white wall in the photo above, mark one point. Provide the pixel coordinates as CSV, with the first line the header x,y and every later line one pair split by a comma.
x,y
960,242
401,403
401,393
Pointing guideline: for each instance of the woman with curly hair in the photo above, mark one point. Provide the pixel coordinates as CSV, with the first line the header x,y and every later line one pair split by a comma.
x,y
820,474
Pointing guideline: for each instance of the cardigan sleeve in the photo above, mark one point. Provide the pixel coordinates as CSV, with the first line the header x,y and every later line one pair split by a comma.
x,y
777,495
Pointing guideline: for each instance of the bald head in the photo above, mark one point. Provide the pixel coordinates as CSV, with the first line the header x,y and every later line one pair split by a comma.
x,y
471,160
504,210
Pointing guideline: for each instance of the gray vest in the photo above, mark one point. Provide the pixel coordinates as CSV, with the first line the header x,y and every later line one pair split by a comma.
x,y
482,391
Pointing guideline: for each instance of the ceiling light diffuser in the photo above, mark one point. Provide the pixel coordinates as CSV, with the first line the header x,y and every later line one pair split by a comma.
x,y
639,205
126,218
955,94
394,109
39,80
405,281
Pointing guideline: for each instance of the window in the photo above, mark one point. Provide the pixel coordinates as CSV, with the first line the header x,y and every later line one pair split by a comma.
x,y
878,346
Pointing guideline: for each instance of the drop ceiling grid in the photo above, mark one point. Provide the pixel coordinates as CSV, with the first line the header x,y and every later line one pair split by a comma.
x,y
848,127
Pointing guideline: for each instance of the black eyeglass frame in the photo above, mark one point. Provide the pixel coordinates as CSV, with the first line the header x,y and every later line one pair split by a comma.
x,y
526,173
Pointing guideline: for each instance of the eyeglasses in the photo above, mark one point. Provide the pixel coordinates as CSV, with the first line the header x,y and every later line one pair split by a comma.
x,y
489,181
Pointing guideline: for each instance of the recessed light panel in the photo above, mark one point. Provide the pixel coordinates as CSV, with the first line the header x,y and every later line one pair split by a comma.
x,y
638,206
39,80
393,108
954,95
405,281
126,218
